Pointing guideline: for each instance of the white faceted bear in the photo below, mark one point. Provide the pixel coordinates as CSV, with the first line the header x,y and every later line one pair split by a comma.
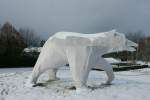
x,y
82,52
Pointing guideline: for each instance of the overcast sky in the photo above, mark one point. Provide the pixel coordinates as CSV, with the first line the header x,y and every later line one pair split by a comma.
x,y
87,16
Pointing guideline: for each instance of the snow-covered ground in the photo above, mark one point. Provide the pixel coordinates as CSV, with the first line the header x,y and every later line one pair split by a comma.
x,y
128,85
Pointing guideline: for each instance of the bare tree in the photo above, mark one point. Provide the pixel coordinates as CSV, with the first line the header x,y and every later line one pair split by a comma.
x,y
135,36
143,50
30,37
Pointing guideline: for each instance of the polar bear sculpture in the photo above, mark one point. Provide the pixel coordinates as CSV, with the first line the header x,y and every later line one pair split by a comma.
x,y
82,52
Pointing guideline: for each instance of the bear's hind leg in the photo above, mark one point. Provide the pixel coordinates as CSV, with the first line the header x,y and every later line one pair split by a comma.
x,y
78,60
37,71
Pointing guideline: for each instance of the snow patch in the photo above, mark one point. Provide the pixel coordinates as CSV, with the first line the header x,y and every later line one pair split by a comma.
x,y
128,85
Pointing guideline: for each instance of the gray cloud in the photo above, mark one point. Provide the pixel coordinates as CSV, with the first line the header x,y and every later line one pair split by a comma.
x,y
86,16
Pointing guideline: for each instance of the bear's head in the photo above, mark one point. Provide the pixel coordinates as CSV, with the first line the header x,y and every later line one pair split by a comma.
x,y
118,42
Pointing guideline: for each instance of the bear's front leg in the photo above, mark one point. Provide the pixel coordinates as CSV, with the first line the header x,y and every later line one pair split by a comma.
x,y
104,65
78,60
80,76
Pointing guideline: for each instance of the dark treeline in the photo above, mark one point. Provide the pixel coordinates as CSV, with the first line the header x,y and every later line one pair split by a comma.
x,y
12,43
